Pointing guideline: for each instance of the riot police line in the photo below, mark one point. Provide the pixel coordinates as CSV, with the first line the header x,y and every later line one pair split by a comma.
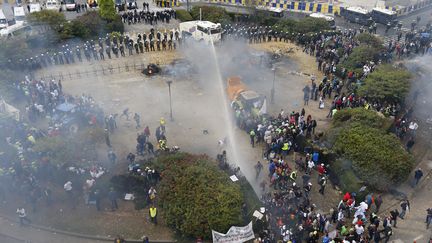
x,y
148,17
111,46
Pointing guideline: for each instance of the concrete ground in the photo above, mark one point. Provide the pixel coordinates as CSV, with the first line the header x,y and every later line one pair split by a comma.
x,y
11,232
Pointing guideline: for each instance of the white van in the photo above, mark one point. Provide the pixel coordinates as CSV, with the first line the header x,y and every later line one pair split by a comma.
x,y
35,7
19,14
3,20
53,5
70,5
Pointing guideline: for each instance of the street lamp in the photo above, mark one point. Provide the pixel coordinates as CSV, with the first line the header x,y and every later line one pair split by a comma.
x,y
272,92
169,91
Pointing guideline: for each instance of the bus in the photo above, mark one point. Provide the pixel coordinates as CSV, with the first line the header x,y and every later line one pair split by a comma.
x,y
201,31
356,15
271,11
384,16
327,18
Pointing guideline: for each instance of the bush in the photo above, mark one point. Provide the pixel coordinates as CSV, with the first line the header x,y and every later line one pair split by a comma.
x,y
115,25
377,158
211,13
360,116
369,40
303,26
386,84
359,57
107,10
68,150
183,15
48,17
197,197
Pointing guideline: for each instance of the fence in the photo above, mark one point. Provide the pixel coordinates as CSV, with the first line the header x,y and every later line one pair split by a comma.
x,y
287,5
100,70
409,9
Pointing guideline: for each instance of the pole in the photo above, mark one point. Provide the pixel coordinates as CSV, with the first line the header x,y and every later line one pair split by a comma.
x,y
200,15
169,91
272,92
187,5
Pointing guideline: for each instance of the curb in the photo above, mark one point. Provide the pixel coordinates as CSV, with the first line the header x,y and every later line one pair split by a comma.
x,y
78,235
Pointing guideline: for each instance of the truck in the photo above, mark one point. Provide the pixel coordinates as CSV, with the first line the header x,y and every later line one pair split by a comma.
x,y
201,31
19,14
243,98
3,20
35,7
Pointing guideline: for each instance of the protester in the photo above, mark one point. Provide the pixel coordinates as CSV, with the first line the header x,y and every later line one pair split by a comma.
x,y
22,216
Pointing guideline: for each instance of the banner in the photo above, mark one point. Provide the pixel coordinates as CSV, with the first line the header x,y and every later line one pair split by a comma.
x,y
234,235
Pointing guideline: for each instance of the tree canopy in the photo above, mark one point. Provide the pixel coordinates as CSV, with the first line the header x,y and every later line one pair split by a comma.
x,y
369,40
303,26
360,116
211,13
359,57
107,10
197,197
377,157
386,84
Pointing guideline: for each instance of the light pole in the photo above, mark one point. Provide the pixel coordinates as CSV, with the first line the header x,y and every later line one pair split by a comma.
x,y
272,92
169,91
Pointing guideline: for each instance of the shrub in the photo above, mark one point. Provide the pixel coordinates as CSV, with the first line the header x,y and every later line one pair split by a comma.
x,y
370,40
107,10
48,17
197,197
72,149
211,13
115,25
183,15
386,84
360,116
359,57
93,22
303,26
377,158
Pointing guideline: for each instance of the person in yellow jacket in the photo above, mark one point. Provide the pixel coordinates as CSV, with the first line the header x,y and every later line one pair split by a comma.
x,y
31,139
285,149
252,137
153,214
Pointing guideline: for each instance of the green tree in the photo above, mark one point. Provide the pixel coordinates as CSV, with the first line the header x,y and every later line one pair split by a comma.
x,y
369,40
211,13
386,84
107,10
183,15
197,197
359,57
92,21
47,17
377,158
360,116
72,149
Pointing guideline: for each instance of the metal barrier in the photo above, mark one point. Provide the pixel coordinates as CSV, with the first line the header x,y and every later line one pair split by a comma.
x,y
101,70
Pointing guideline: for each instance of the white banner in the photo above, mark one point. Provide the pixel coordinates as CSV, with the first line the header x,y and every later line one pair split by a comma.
x,y
234,235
